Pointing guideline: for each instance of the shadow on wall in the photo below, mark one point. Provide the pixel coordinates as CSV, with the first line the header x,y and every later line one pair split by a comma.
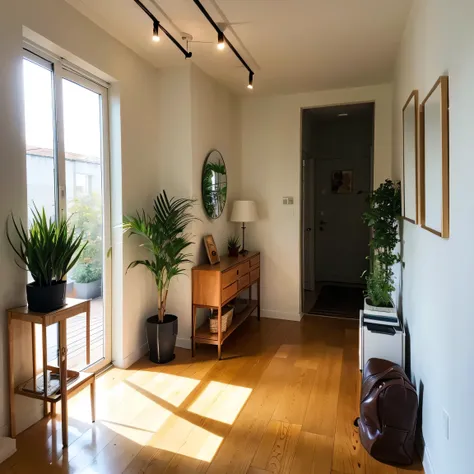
x,y
419,439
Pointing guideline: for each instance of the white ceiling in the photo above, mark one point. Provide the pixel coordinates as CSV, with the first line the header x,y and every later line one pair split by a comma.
x,y
292,45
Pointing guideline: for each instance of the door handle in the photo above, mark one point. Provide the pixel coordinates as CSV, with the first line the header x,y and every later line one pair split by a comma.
x,y
322,222
308,229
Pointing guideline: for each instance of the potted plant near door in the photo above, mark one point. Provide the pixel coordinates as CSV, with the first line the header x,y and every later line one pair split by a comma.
x,y
86,214
163,236
88,280
382,217
48,251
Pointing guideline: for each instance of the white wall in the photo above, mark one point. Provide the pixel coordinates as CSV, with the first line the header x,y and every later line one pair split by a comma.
x,y
198,115
271,169
437,279
134,124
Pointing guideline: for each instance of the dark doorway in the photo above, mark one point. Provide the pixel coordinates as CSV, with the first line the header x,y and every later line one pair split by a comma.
x,y
337,159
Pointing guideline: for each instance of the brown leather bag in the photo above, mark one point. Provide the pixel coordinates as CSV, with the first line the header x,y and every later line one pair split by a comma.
x,y
388,411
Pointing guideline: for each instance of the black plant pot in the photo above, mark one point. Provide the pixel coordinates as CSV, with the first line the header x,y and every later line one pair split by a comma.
x,y
162,338
234,251
44,299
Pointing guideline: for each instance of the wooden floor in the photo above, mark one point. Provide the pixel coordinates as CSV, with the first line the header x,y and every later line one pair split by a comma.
x,y
283,401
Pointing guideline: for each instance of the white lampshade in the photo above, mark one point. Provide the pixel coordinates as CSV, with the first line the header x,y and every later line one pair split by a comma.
x,y
244,211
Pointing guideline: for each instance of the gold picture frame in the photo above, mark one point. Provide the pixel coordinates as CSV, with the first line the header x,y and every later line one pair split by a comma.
x,y
434,159
410,149
211,250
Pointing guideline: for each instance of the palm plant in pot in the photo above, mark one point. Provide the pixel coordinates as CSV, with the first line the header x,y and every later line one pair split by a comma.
x,y
48,250
382,217
163,236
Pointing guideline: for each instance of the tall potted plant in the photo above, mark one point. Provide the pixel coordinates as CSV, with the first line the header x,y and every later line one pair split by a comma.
x,y
382,217
163,236
48,251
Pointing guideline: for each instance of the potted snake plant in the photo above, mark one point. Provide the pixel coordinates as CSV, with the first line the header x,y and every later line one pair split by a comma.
x,y
48,250
163,236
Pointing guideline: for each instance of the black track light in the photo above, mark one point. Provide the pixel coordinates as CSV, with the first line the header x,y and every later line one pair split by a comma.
x,y
157,27
220,40
250,84
156,31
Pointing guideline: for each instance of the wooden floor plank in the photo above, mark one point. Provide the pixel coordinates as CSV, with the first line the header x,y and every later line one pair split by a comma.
x,y
313,454
321,414
348,457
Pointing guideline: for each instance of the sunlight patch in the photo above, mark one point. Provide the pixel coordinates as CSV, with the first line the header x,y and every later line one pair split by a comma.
x,y
182,437
221,402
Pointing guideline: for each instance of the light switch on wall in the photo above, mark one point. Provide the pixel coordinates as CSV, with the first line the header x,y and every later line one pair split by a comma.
x,y
288,200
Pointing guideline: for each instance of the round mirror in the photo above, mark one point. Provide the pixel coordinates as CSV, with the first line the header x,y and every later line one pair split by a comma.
x,y
214,184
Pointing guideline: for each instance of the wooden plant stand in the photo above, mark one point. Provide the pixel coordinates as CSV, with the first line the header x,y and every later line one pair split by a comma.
x,y
79,380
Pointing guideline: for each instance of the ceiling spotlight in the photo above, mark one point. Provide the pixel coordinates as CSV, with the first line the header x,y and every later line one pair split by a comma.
x,y
250,85
156,31
220,40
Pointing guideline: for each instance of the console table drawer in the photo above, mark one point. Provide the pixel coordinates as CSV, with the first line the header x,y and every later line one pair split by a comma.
x,y
255,261
230,291
244,268
254,275
230,276
244,281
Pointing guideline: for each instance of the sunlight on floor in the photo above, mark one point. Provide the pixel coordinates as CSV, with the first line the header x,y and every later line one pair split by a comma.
x,y
173,389
221,402
183,437
142,407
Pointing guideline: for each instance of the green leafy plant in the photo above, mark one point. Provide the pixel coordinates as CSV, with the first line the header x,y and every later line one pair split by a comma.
x,y
164,237
49,249
382,217
380,286
86,215
233,242
87,272
213,195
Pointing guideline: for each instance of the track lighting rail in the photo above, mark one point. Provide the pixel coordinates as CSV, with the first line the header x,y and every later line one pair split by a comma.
x,y
221,34
158,26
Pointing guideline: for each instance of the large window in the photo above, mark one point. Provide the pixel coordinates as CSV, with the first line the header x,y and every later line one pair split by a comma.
x,y
67,175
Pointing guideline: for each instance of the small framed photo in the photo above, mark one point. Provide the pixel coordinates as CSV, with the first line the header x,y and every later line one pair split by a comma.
x,y
211,249
341,182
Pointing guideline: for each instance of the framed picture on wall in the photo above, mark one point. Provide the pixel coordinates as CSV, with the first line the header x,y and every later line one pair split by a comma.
x,y
341,182
410,199
434,160
211,249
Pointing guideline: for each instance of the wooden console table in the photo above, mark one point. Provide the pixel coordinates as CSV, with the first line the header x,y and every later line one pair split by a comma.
x,y
216,285
80,380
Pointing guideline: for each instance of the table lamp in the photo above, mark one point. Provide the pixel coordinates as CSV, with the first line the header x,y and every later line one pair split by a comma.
x,y
244,211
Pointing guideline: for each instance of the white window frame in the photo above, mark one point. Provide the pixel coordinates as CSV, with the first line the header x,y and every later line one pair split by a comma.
x,y
63,69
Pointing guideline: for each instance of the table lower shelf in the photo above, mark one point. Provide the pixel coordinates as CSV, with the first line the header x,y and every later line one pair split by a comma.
x,y
81,380
204,336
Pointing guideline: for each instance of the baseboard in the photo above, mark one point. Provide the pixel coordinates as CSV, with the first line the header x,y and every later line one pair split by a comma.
x,y
126,362
425,456
183,342
7,448
273,314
